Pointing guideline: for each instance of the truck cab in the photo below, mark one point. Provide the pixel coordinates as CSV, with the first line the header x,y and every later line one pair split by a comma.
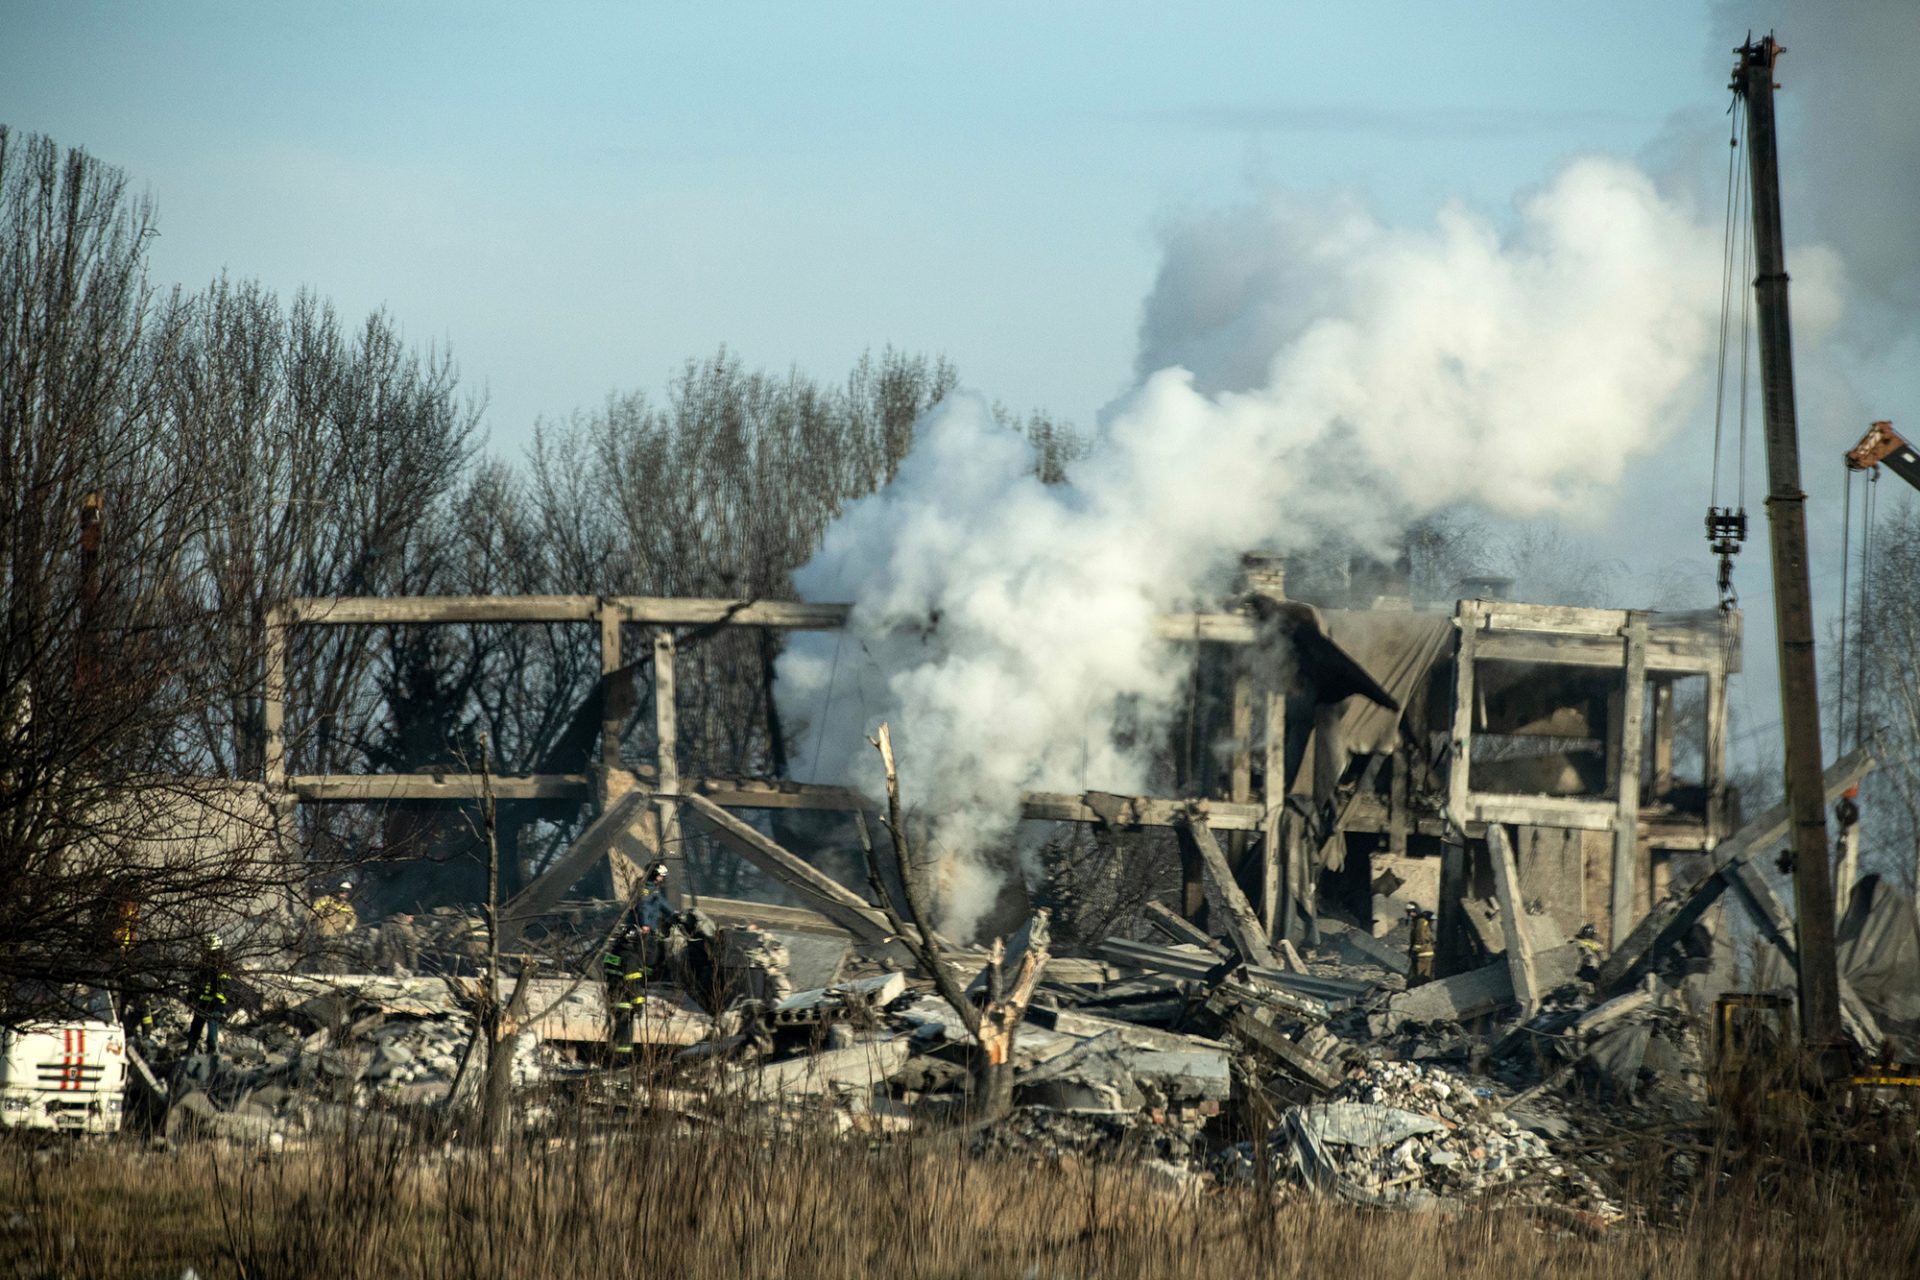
x,y
68,1075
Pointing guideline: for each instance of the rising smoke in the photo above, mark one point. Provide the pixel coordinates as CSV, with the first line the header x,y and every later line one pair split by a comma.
x,y
1303,368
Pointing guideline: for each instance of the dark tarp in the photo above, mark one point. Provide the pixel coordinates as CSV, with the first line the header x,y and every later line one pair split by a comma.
x,y
1399,651
1878,947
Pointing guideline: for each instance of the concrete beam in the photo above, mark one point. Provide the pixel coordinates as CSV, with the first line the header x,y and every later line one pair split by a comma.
x,y
1519,948
825,894
546,890
1243,925
375,788
1671,919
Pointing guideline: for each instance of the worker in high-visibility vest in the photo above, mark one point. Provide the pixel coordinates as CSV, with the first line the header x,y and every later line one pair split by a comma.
x,y
1592,952
623,968
136,1014
334,921
209,995
1419,946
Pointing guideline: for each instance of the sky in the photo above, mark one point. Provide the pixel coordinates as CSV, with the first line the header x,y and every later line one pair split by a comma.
x,y
575,198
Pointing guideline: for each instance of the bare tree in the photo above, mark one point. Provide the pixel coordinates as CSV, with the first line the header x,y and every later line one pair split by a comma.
x,y
1879,696
116,853
993,1008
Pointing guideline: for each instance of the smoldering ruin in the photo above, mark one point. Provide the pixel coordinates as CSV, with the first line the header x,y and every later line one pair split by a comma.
x,y
1540,790
901,785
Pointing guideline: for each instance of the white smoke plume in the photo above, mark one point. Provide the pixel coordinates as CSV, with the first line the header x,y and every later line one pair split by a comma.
x,y
1307,369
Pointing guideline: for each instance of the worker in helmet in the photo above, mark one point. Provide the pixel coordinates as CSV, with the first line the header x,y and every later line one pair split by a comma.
x,y
334,921
1419,946
623,969
1591,952
655,910
136,1013
209,995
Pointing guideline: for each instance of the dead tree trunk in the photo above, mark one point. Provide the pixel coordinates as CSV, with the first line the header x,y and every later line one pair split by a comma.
x,y
995,1004
497,1023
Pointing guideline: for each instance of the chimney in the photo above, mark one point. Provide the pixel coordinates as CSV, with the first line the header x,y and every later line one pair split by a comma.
x,y
1263,573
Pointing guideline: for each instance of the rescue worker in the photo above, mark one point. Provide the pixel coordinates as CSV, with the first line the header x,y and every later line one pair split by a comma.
x,y
126,925
655,910
623,968
1847,812
1419,946
1591,952
334,921
209,996
136,1017
400,946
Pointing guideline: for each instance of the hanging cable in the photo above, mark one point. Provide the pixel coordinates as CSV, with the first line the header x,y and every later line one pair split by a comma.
x,y
1746,332
826,707
1870,506
1726,301
1727,526
1846,638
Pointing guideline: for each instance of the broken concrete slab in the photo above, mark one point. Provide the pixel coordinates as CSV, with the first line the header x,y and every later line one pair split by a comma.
x,y
1264,1037
1186,1075
1078,1023
935,1022
1270,997
825,1003
861,1068
414,997
1179,929
1475,993
1671,919
1093,1086
1607,1013
1362,946
1183,1076
1367,1125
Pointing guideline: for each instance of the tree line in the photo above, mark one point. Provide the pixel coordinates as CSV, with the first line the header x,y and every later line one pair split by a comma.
x,y
175,462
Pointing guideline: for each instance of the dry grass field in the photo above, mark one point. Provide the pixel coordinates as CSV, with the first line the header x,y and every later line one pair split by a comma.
x,y
656,1199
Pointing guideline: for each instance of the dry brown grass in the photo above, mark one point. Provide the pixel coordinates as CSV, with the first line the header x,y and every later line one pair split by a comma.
x,y
734,1203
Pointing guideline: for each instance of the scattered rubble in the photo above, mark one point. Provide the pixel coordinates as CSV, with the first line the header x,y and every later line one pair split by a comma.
x,y
1322,1071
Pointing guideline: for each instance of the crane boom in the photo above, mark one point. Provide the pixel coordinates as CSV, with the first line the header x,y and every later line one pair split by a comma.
x,y
1792,594
1882,444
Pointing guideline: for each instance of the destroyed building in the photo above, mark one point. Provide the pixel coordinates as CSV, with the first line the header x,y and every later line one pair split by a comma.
x,y
1350,750
1522,770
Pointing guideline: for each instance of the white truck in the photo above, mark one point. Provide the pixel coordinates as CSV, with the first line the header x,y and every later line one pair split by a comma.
x,y
69,1075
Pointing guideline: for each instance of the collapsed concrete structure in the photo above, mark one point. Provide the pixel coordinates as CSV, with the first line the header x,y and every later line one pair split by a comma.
x,y
1520,770
1370,747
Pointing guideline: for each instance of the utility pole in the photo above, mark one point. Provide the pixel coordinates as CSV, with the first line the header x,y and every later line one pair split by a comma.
x,y
1792,596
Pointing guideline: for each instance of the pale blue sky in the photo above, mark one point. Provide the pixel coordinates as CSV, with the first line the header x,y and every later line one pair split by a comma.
x,y
576,197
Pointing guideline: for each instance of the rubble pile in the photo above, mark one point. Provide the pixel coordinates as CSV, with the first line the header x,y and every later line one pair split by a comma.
x,y
287,1071
1399,1134
1180,1059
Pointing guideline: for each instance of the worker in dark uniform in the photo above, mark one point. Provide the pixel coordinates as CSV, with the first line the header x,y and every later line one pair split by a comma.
x,y
1419,946
655,910
209,996
623,968
135,1008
